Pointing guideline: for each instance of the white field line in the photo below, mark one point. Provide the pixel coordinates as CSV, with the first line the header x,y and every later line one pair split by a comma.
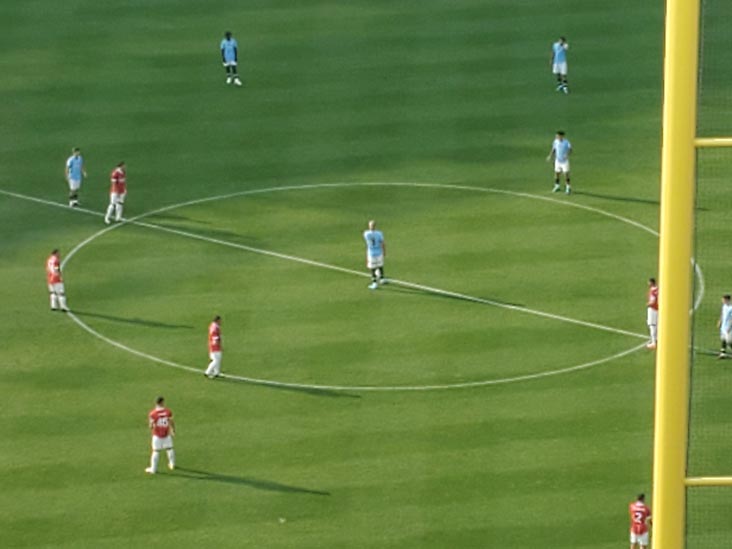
x,y
136,221
357,388
397,282
296,259
124,347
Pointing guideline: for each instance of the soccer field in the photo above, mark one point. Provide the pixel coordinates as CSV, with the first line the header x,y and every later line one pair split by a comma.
x,y
496,393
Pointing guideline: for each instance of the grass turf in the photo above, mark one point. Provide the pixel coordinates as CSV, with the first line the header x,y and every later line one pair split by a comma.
x,y
454,93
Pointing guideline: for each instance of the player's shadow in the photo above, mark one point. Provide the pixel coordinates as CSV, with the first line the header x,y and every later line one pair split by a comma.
x,y
256,483
314,391
396,287
628,199
618,198
175,217
138,321
213,234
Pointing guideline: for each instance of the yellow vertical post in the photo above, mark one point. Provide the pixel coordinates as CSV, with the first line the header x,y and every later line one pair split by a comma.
x,y
678,172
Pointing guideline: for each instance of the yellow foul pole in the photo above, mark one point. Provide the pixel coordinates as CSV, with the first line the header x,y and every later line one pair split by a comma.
x,y
678,167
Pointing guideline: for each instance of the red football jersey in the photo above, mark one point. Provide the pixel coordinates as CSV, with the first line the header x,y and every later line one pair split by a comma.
x,y
160,421
214,337
53,269
653,297
119,181
639,514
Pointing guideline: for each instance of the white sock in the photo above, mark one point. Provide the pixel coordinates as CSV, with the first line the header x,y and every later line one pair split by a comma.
x,y
62,301
110,211
54,301
654,333
119,212
171,458
154,459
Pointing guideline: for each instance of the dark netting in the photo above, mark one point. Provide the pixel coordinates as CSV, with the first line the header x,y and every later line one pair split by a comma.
x,y
708,518
709,509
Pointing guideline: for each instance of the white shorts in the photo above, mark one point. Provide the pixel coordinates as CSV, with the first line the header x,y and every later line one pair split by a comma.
x,y
165,443
652,317
229,63
74,184
374,262
117,198
561,167
57,288
641,539
215,355
560,68
725,336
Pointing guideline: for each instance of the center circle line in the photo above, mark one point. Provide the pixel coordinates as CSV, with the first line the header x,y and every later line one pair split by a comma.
x,y
137,220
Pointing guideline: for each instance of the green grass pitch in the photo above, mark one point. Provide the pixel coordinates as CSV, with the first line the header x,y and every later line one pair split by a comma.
x,y
432,117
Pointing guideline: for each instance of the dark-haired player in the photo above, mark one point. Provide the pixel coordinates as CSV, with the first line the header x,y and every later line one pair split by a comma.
x,y
640,517
230,57
162,427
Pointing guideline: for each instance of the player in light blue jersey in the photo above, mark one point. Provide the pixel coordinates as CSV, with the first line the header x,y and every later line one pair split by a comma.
x,y
230,56
561,149
375,254
75,171
725,325
558,63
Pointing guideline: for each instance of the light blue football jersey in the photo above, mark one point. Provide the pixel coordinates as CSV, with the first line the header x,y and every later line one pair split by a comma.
x,y
560,52
561,149
374,243
75,164
726,318
229,48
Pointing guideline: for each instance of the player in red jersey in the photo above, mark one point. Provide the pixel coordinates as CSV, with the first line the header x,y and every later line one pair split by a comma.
x,y
652,314
117,193
55,282
640,518
214,348
162,428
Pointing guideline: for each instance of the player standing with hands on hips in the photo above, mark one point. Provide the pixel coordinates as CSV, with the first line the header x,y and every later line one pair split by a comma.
x,y
561,149
558,63
640,516
117,194
162,427
230,55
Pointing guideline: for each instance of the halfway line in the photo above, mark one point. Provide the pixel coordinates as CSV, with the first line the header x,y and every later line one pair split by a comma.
x,y
296,259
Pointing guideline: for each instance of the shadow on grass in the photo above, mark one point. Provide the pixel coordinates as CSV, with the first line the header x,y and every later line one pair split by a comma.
x,y
618,198
628,199
314,391
176,217
396,287
258,484
138,321
229,237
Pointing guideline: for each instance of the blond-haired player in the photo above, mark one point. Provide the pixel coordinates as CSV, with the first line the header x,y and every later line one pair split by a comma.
x,y
375,254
